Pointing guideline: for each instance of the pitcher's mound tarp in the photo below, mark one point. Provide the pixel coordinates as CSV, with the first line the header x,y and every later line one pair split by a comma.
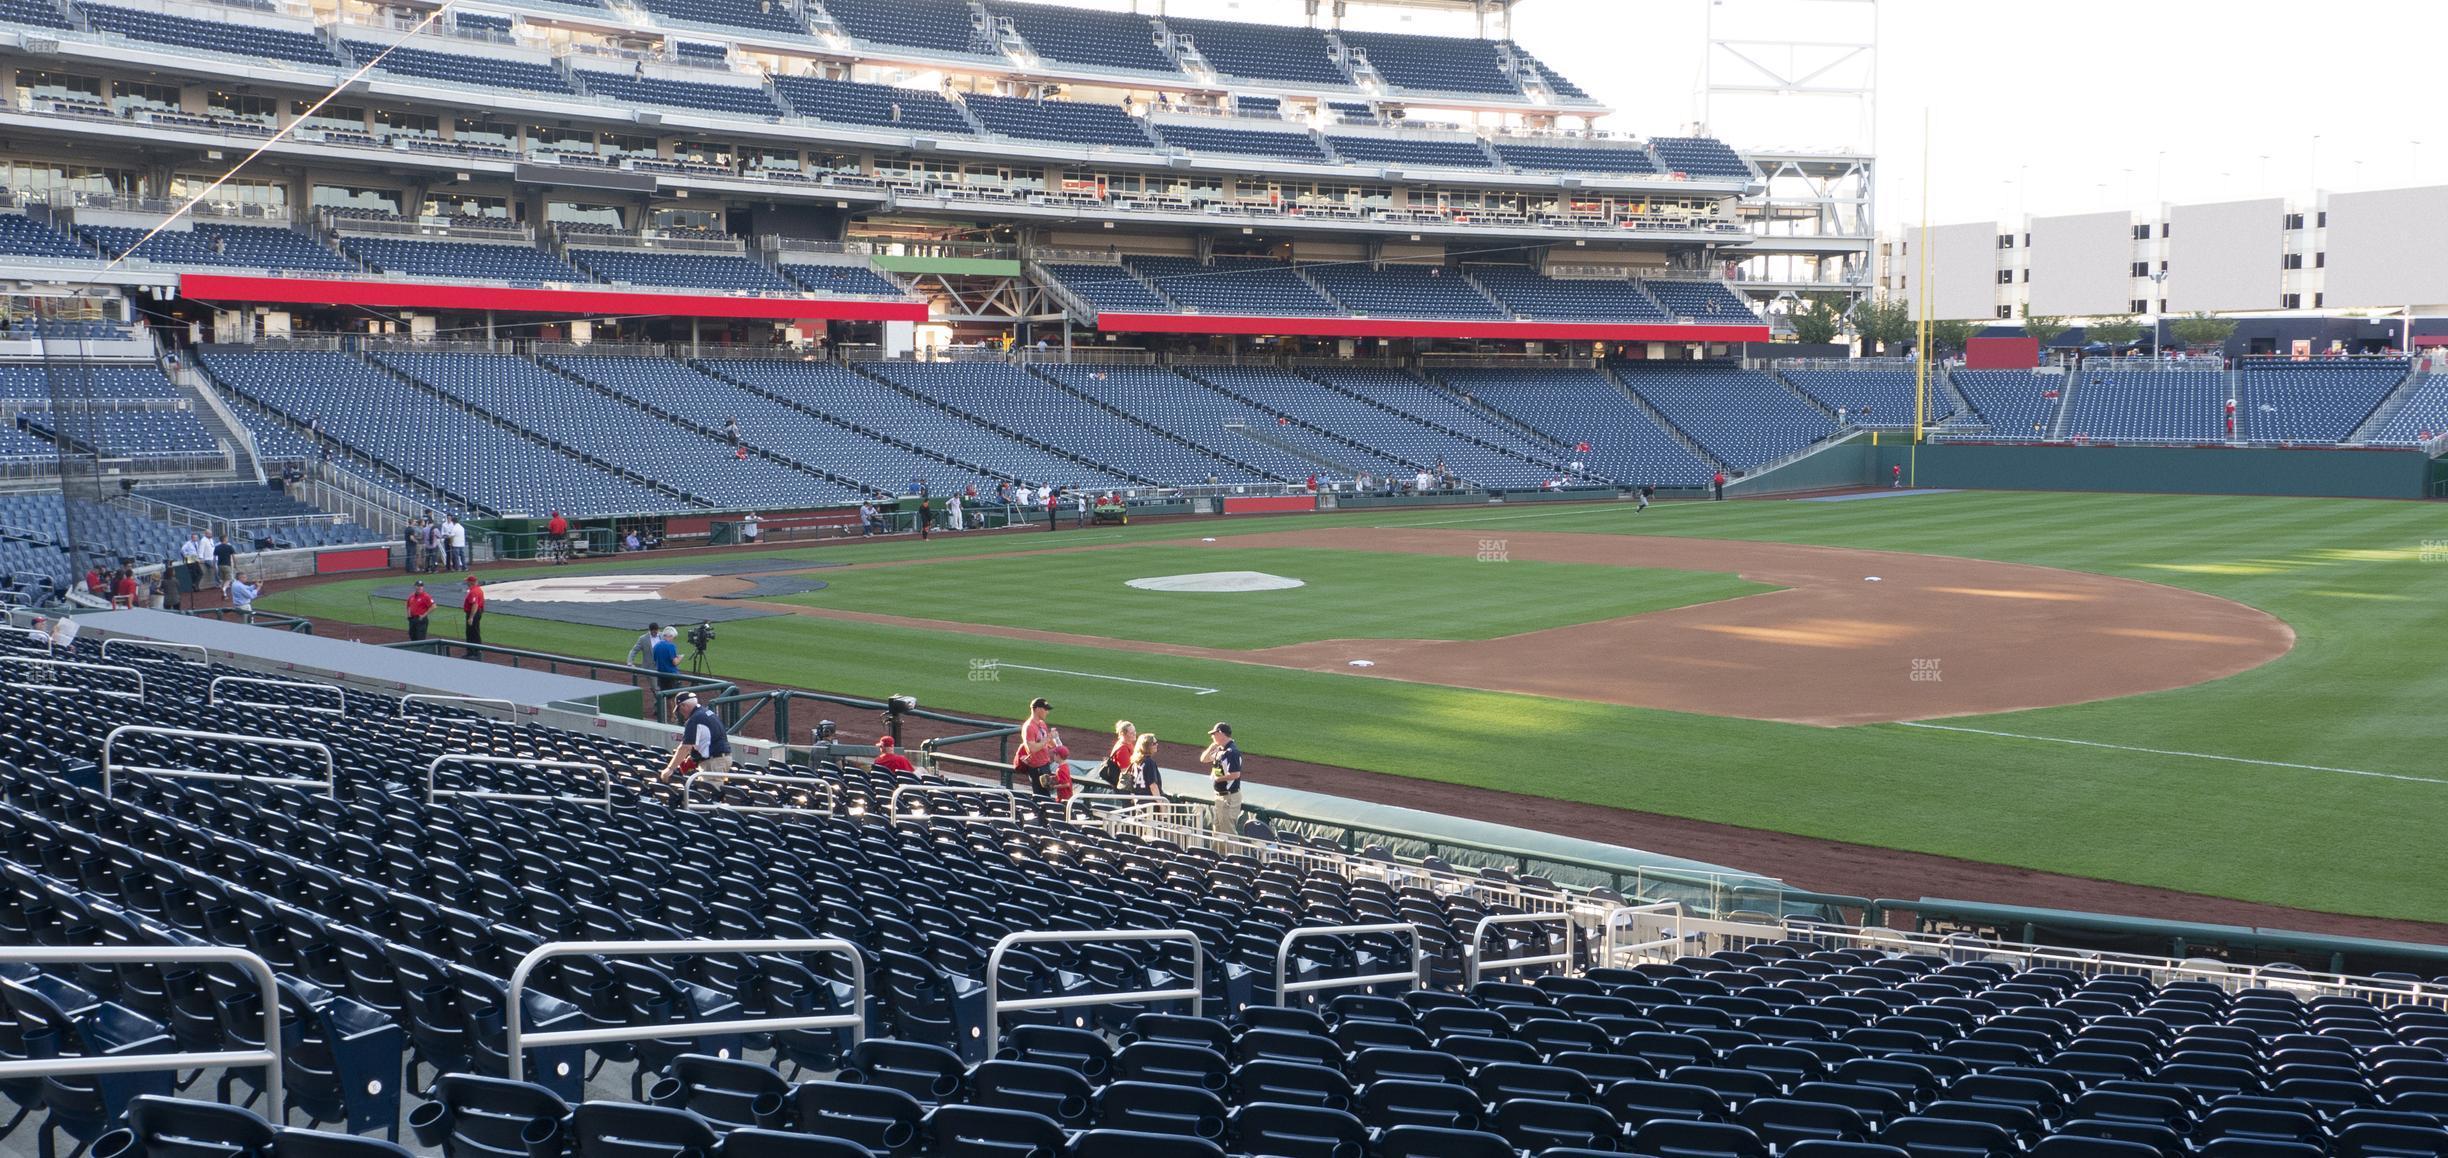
x,y
600,600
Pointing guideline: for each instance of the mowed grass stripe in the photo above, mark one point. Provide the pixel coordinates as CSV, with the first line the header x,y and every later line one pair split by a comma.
x,y
2361,690
1347,594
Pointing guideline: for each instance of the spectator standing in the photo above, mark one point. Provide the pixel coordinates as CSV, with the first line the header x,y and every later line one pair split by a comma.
x,y
641,653
1035,759
1053,501
751,528
1643,494
704,745
223,554
1144,776
1895,476
556,533
926,516
1118,757
409,540
433,545
953,514
472,606
241,595
123,589
1719,483
1027,501
458,544
420,611
891,760
207,553
191,553
95,585
1079,508
1223,760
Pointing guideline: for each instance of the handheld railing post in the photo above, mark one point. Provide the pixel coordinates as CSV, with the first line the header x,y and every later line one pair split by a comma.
x,y
1472,966
74,665
517,1041
159,645
1628,918
1196,993
331,768
434,769
689,785
269,1057
212,694
1283,959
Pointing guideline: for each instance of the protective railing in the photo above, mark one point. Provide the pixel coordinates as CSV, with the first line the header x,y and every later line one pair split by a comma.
x,y
438,698
1473,965
267,1058
1012,801
646,680
1621,936
212,694
433,771
1284,987
330,784
689,797
1706,935
1195,993
517,1041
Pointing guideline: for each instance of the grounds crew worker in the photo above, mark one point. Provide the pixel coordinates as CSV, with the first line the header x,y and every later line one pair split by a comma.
x,y
704,746
1223,759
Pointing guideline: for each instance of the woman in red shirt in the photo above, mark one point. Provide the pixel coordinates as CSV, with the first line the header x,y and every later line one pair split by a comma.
x,y
1118,757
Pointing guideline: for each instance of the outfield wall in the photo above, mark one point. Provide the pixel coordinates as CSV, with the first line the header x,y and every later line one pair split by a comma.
x,y
2366,474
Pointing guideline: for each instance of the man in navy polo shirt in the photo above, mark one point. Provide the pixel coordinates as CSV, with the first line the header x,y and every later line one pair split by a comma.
x,y
704,745
1223,760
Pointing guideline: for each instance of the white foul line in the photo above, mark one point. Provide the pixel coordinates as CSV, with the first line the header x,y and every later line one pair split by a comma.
x,y
2167,752
1193,689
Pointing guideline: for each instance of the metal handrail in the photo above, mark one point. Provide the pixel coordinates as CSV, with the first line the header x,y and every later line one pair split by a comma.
x,y
437,697
1628,918
1283,959
212,694
82,666
434,769
269,1057
832,798
162,644
995,1004
1472,966
516,1041
892,805
330,785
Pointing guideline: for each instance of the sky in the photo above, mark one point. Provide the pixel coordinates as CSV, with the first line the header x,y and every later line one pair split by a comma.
x,y
2033,108
2072,106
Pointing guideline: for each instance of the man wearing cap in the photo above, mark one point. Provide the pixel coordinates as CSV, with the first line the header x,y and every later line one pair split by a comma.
x,y
1037,743
420,606
892,761
472,604
1223,760
704,745
666,656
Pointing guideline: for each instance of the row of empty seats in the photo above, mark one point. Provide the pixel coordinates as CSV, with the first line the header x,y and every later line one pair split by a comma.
x,y
1266,288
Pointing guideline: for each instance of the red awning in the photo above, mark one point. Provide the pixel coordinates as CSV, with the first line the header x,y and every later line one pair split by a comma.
x,y
1336,327
538,300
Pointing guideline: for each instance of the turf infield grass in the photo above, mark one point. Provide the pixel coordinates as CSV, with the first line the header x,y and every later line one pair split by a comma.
x,y
1349,594
2362,690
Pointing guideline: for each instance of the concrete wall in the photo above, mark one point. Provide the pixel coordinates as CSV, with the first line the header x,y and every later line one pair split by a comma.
x,y
2371,474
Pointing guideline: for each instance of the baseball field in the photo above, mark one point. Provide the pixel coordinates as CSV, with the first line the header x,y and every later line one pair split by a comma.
x,y
2238,697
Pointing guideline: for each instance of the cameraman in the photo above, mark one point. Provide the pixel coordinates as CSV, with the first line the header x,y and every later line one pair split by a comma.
x,y
666,654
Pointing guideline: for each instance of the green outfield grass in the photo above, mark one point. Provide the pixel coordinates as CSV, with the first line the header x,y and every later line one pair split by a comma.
x,y
2356,704
1349,594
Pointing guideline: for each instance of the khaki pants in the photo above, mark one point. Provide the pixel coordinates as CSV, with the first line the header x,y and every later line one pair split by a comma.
x,y
1228,813
717,764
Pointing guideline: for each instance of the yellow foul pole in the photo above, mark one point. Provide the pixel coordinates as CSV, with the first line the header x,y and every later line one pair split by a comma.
x,y
1928,302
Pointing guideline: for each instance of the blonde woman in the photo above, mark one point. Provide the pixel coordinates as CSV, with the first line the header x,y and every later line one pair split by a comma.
x,y
1143,776
1118,758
